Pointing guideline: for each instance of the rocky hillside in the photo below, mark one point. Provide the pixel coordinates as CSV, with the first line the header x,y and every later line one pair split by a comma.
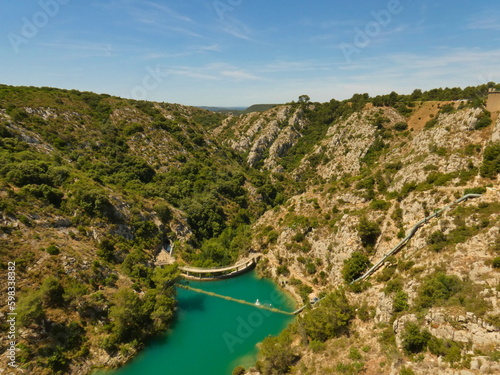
x,y
433,307
94,187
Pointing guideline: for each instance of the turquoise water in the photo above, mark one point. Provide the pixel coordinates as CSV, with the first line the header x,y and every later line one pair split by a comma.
x,y
211,336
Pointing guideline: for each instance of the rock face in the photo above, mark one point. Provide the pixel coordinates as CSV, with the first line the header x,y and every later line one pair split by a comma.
x,y
440,148
495,137
467,329
348,142
266,136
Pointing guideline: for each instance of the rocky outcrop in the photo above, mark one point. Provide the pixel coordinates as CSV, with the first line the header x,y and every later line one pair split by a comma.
x,y
346,143
265,136
495,136
440,148
473,333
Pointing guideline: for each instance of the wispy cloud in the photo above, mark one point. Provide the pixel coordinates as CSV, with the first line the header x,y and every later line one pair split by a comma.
x,y
218,71
189,51
234,27
190,72
296,66
484,21
446,66
206,48
238,31
167,11
239,75
83,49
154,16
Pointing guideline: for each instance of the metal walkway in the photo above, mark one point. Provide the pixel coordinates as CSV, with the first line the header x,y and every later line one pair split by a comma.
x,y
411,234
263,307
195,273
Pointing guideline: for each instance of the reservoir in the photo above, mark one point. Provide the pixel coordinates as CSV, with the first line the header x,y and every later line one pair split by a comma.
x,y
211,335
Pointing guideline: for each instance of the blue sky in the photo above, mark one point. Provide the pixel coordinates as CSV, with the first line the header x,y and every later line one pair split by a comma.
x,y
242,52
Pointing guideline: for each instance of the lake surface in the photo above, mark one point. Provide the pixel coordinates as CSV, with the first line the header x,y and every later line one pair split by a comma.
x,y
211,336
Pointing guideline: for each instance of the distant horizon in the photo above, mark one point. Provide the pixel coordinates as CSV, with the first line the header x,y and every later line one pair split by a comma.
x,y
226,53
244,107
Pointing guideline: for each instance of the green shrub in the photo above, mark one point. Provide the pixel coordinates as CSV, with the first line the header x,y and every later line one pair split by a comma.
x,y
406,371
415,340
400,126
330,318
58,362
437,240
106,249
355,266
133,128
94,202
298,237
25,220
52,250
380,205
30,309
448,349
283,270
28,172
310,268
386,273
240,370
354,354
431,123
437,288
369,231
496,262
317,346
304,291
365,312
484,120
476,190
400,302
387,337
164,212
51,292
367,183
491,161
447,108
47,193
408,188
349,368
393,285
438,179
276,355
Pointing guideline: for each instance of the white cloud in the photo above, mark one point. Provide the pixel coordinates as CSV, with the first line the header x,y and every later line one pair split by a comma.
x,y
218,71
239,75
194,73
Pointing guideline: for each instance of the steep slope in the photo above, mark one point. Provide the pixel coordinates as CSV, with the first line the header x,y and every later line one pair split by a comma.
x,y
93,187
377,181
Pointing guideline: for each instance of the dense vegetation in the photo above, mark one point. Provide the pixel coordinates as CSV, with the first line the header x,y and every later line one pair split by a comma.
x,y
71,156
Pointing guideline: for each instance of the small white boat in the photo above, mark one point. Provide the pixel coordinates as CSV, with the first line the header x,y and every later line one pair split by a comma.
x,y
257,302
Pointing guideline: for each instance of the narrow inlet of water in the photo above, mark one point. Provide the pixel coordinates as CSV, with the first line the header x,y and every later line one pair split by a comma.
x,y
211,335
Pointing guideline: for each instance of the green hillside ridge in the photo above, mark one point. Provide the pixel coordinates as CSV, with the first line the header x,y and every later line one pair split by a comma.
x,y
93,186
